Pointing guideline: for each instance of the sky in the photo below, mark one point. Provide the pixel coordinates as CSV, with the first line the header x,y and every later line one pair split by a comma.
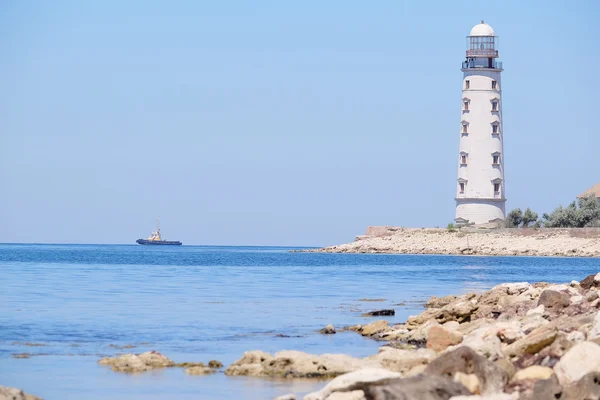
x,y
277,123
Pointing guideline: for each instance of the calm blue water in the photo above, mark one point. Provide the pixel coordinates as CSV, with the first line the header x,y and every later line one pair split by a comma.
x,y
196,303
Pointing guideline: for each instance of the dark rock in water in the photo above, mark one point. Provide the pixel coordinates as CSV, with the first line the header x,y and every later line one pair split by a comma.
x,y
492,377
215,364
328,330
551,299
379,313
420,387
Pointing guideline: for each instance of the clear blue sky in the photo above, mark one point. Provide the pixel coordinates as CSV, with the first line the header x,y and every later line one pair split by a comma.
x,y
274,122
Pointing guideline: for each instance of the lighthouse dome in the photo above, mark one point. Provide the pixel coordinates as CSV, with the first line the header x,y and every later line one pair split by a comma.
x,y
482,29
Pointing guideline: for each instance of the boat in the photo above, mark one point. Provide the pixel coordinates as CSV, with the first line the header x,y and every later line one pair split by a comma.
x,y
155,239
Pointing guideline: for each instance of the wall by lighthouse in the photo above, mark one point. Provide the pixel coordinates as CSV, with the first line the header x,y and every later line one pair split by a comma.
x,y
480,189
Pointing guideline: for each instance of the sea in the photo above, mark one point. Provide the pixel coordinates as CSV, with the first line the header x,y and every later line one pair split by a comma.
x,y
69,305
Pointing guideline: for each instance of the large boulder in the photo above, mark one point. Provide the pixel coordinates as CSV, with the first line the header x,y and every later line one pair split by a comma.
x,y
343,382
580,360
554,300
588,388
137,362
9,393
420,387
591,281
492,378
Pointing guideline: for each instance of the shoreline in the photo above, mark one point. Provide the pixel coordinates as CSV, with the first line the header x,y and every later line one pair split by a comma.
x,y
516,341
544,242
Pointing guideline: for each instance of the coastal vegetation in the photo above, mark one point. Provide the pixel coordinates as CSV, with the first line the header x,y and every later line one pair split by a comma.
x,y
583,213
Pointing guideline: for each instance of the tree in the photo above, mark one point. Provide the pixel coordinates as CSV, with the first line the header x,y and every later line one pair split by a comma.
x,y
529,217
584,213
514,218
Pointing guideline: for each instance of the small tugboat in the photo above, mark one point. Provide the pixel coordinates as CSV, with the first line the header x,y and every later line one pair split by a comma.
x,y
156,239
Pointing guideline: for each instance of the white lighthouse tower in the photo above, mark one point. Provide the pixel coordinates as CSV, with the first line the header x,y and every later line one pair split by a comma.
x,y
480,186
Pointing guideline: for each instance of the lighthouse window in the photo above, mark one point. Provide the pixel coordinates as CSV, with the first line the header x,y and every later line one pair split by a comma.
x,y
466,105
495,129
463,159
462,187
495,160
494,85
467,84
494,105
496,188
464,127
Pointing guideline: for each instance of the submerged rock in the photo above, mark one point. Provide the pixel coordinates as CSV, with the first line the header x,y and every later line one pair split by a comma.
x,y
328,330
137,362
296,364
215,364
199,370
379,313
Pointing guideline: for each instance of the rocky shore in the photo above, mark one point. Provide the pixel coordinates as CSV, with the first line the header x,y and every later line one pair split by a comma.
x,y
582,242
516,341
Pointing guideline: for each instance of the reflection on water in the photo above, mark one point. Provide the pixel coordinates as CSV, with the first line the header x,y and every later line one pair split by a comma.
x,y
199,303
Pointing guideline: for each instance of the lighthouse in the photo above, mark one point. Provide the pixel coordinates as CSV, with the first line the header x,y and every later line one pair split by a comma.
x,y
480,190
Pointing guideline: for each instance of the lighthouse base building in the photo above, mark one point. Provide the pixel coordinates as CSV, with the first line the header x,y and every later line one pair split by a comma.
x,y
480,190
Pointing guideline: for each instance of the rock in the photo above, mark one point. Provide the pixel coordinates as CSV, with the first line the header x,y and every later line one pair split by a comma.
x,y
484,341
507,366
539,310
451,325
416,370
512,288
532,343
580,360
379,313
588,388
548,389
595,331
491,377
420,387
328,330
471,382
552,299
289,396
591,295
532,322
343,382
576,299
535,372
419,335
199,370
374,327
9,393
439,302
590,281
296,364
439,338
352,395
401,360
576,337
137,362
215,364
497,396
188,364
